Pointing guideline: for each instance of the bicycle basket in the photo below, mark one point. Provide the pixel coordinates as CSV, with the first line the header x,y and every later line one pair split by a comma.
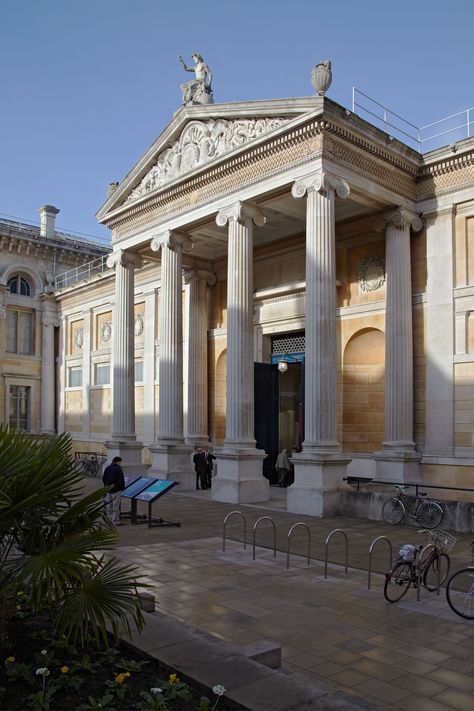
x,y
407,552
443,540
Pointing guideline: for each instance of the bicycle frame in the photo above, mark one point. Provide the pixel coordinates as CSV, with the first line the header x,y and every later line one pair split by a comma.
x,y
411,507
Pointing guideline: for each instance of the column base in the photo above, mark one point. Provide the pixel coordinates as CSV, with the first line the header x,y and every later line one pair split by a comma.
x,y
239,478
397,466
173,461
131,453
316,490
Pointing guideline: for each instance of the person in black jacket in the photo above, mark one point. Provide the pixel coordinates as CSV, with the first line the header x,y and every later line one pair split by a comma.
x,y
208,456
113,477
200,467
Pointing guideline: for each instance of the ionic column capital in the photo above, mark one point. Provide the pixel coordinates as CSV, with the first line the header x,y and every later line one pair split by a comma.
x,y
239,212
399,217
197,275
124,259
320,182
171,239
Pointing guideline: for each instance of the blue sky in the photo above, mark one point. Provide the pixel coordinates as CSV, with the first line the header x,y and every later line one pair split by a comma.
x,y
87,85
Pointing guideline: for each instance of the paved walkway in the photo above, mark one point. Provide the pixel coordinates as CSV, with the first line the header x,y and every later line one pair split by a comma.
x,y
412,655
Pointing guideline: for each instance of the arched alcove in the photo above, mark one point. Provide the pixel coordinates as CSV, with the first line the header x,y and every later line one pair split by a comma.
x,y
364,391
217,400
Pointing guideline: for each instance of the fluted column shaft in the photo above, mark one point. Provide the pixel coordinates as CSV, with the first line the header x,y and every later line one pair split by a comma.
x,y
320,324
49,321
171,336
399,332
123,412
240,369
197,424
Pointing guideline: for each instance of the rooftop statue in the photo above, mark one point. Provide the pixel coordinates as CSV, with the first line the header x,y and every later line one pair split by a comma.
x,y
197,90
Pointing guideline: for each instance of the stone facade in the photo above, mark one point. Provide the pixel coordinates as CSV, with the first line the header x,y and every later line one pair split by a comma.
x,y
304,225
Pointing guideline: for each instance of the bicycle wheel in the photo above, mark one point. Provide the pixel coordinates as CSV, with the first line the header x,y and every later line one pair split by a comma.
x,y
393,511
439,566
430,514
398,581
460,593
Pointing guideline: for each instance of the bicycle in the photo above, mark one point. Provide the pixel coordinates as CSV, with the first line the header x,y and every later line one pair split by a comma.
x,y
88,464
460,591
428,513
420,565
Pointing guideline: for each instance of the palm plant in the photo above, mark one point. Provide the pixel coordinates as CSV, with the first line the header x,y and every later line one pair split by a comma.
x,y
53,540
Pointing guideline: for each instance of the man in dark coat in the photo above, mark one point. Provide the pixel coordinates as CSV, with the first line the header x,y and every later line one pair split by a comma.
x,y
200,467
113,477
209,457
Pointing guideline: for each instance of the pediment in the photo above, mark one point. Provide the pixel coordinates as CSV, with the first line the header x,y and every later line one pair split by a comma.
x,y
200,136
200,143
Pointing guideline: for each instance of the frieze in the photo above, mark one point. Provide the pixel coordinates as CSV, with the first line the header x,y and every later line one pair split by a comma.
x,y
199,143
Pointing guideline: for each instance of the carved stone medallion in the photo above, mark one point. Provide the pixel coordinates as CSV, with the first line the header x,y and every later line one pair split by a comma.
x,y
78,337
106,331
371,273
199,143
138,324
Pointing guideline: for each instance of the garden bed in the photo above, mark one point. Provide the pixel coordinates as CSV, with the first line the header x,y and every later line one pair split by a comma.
x,y
39,673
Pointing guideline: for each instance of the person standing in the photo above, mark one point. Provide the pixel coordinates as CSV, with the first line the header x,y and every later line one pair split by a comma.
x,y
282,466
209,457
200,467
113,477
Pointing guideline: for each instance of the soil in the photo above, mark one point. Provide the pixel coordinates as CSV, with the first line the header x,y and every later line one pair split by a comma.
x,y
27,636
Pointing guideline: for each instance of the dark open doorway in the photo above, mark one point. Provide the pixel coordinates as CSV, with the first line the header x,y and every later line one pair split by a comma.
x,y
279,410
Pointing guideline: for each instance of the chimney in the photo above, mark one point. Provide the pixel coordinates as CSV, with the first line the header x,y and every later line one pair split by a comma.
x,y
47,220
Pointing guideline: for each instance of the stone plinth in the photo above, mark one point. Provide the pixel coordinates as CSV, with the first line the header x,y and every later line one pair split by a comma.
x,y
239,478
131,453
173,462
397,466
316,490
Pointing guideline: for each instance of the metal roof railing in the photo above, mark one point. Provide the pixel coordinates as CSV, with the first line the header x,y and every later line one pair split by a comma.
x,y
457,126
84,271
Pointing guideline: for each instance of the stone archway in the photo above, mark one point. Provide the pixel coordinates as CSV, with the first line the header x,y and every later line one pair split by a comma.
x,y
364,391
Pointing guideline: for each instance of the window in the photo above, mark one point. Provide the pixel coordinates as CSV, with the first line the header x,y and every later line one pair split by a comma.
x,y
138,371
20,407
74,379
20,332
102,374
19,284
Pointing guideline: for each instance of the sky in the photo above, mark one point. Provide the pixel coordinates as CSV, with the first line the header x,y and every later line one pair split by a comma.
x,y
87,85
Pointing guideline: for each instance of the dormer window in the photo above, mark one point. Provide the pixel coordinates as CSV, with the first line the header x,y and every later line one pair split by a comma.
x,y
18,284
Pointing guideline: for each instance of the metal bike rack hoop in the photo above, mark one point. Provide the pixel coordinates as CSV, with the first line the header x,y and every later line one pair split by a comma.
x,y
295,525
372,546
256,524
232,513
336,530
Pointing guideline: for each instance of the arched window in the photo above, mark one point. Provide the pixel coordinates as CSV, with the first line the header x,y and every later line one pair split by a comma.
x,y
18,284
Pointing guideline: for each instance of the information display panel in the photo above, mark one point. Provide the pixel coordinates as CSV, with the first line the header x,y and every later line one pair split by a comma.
x,y
130,479
141,483
155,490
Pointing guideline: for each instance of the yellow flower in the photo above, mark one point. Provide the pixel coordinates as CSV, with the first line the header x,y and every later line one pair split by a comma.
x,y
18,607
20,593
64,669
10,660
120,678
127,674
174,679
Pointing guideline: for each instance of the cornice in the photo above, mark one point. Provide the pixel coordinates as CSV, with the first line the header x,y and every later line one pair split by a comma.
x,y
447,165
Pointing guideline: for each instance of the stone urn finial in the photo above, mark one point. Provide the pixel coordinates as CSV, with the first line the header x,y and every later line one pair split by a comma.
x,y
321,77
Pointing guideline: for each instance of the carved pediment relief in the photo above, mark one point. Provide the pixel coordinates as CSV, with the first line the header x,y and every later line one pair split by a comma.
x,y
199,143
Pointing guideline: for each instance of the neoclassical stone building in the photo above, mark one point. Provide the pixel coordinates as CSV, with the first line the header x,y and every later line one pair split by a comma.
x,y
283,274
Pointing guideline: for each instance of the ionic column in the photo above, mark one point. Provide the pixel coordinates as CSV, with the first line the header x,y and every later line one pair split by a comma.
x,y
320,324
49,321
197,425
171,245
123,413
240,380
399,332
